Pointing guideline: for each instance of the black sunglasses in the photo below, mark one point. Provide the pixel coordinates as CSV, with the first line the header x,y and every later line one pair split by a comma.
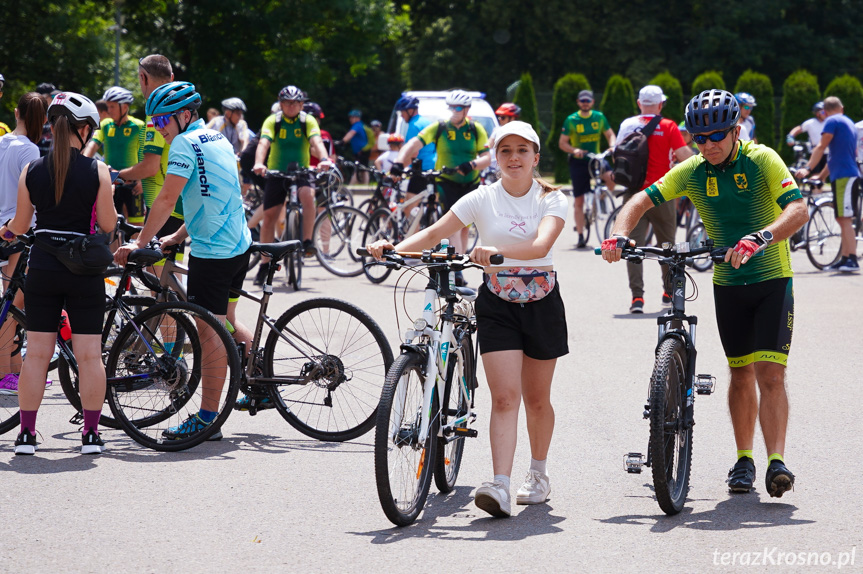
x,y
714,137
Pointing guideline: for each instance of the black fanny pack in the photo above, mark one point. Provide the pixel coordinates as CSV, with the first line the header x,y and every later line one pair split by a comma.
x,y
83,255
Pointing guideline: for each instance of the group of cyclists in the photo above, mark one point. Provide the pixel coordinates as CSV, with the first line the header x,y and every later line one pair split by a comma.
x,y
178,177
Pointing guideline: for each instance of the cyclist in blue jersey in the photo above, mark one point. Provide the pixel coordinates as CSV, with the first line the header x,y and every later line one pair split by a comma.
x,y
408,107
202,168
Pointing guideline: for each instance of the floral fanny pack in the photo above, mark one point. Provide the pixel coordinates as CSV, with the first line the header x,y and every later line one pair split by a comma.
x,y
521,284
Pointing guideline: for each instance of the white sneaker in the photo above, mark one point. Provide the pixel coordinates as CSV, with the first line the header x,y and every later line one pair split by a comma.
x,y
493,497
535,489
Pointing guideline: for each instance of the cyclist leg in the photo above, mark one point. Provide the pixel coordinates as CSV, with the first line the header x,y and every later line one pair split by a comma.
x,y
307,199
634,271
843,201
274,205
580,176
663,218
238,330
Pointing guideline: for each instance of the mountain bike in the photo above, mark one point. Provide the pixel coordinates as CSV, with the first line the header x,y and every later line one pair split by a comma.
x,y
674,382
599,201
821,236
427,405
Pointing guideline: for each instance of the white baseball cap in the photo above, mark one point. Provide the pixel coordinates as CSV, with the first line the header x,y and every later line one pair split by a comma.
x,y
517,128
651,95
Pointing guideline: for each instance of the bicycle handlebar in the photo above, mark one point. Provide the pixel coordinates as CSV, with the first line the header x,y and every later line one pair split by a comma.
x,y
430,257
673,255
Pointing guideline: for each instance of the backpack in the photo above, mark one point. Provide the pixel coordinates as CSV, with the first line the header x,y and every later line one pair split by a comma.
x,y
631,157
370,138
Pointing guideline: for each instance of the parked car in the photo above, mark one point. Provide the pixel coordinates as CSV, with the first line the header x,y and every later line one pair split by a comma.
x,y
433,106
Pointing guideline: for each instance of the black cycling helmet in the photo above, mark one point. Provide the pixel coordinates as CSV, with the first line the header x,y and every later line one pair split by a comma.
x,y
46,89
313,109
292,93
712,110
235,104
406,103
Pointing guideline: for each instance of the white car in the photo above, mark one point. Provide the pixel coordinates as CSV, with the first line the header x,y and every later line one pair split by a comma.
x,y
433,107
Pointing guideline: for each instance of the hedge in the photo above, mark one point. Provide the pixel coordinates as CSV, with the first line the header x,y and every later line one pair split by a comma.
x,y
618,102
671,87
799,93
564,103
761,87
710,80
526,98
848,89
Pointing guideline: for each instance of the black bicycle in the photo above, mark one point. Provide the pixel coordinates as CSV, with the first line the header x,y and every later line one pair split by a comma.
x,y
670,400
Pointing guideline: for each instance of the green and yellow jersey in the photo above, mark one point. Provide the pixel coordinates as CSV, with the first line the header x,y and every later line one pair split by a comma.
x,y
584,131
456,146
120,145
745,197
291,143
4,129
154,143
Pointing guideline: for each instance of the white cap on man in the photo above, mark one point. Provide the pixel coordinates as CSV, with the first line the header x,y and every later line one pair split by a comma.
x,y
651,95
516,128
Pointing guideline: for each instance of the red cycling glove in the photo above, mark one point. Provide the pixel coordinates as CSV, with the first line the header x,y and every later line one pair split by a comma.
x,y
614,242
751,244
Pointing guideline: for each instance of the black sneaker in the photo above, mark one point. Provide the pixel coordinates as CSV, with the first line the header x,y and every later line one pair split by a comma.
x,y
850,265
261,275
582,242
91,443
309,249
742,475
637,305
25,443
779,479
835,266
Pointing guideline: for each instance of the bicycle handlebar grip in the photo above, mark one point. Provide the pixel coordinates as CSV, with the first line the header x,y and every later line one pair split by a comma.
x,y
496,259
363,252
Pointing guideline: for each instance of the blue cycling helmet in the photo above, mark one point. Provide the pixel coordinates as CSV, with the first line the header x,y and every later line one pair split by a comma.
x,y
172,97
818,107
711,110
355,114
745,98
406,103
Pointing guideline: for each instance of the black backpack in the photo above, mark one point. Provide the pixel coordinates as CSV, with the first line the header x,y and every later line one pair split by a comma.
x,y
631,156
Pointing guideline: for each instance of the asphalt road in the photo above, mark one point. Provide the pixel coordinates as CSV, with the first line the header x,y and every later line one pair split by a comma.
x,y
267,498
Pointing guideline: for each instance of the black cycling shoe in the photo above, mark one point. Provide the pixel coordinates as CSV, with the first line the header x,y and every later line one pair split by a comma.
x,y
779,479
309,249
261,275
742,475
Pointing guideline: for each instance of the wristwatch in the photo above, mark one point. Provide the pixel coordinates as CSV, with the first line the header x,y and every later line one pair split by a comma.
x,y
767,236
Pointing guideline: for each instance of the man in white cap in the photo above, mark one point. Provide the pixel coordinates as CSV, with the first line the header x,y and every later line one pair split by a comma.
x,y
665,145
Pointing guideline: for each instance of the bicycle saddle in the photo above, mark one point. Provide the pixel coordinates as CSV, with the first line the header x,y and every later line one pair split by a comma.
x,y
276,250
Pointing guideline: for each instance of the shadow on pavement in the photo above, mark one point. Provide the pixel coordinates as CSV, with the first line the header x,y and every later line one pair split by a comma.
x,y
640,315
533,520
737,512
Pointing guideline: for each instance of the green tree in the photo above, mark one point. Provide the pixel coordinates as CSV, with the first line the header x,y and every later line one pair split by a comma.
x,y
564,103
848,89
710,80
525,97
760,86
618,102
799,92
673,108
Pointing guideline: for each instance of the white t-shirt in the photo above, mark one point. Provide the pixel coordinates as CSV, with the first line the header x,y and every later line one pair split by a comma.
x,y
15,153
382,143
747,126
502,219
813,128
859,126
387,158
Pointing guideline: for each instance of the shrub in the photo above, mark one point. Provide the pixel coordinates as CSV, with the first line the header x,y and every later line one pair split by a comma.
x,y
671,87
618,102
848,89
799,92
526,98
564,103
710,80
761,87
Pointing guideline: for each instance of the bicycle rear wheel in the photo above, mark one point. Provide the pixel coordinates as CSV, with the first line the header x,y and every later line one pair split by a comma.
x,y
403,465
609,226
382,225
670,444
337,234
696,238
823,236
163,369
337,358
293,261
461,373
13,343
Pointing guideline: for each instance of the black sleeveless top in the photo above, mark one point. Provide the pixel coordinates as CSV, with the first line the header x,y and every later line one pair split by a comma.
x,y
75,210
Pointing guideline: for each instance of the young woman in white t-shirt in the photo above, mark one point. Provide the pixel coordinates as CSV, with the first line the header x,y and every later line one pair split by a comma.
x,y
521,218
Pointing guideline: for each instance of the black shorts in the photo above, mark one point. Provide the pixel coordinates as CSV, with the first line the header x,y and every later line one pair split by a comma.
x,y
171,226
579,173
450,192
47,293
538,329
211,280
276,189
134,203
755,321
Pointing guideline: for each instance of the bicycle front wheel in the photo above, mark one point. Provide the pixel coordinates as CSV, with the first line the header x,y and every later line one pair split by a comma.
x,y
382,225
337,234
461,379
294,261
602,210
403,464
670,443
13,345
823,236
169,363
333,358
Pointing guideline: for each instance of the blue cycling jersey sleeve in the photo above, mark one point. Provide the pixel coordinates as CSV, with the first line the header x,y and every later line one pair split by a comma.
x,y
212,200
428,153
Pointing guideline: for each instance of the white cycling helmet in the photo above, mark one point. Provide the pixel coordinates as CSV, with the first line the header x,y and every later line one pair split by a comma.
x,y
79,109
458,98
235,104
118,94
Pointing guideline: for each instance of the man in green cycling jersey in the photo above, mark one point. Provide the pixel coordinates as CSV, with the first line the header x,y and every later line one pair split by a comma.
x,y
119,139
748,200
4,129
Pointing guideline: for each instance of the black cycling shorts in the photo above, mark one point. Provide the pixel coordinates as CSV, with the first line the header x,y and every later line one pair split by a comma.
x,y
134,204
538,329
211,280
579,173
755,321
450,192
47,293
276,189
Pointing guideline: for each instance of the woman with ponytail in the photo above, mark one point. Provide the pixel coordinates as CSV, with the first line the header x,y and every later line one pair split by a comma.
x,y
70,195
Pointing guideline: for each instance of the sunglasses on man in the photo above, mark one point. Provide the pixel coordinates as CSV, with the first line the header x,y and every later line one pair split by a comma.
x,y
585,101
715,137
458,108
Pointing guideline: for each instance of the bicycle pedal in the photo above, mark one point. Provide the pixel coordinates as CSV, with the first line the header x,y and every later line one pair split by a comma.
x,y
632,462
457,431
77,419
704,384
